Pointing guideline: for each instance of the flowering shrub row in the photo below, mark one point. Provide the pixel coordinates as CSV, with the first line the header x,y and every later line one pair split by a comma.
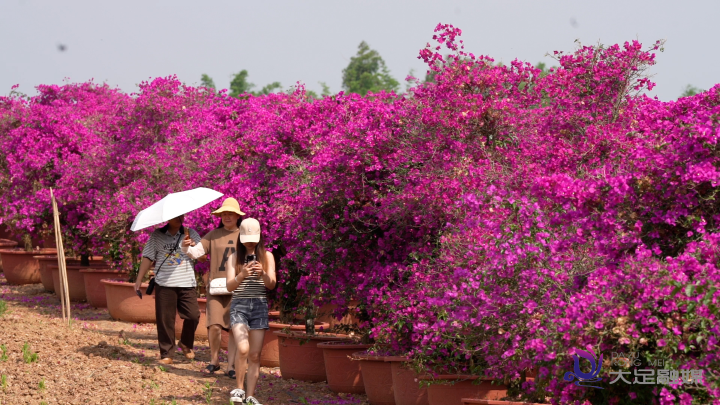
x,y
489,222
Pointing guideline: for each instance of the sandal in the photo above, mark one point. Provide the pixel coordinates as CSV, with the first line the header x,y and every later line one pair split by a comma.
x,y
231,374
211,369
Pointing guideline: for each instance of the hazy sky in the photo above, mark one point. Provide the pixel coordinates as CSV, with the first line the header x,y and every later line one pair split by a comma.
x,y
126,42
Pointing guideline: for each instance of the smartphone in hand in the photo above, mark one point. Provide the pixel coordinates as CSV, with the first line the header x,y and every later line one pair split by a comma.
x,y
139,294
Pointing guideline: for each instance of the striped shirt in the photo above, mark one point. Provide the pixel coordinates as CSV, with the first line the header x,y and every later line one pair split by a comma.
x,y
177,270
250,287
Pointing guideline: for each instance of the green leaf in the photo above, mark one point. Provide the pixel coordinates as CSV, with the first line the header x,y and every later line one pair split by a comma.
x,y
689,290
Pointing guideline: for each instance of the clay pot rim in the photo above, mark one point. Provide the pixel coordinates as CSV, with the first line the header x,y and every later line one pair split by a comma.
x,y
495,401
199,300
77,266
86,269
318,324
110,281
8,243
368,357
302,335
399,359
454,377
342,345
21,251
54,257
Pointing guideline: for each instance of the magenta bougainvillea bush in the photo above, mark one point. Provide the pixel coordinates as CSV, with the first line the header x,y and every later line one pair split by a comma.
x,y
495,220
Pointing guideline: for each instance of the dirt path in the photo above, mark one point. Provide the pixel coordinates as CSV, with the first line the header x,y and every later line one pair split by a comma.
x,y
101,361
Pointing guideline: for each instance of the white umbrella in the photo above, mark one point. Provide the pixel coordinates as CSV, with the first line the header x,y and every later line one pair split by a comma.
x,y
174,205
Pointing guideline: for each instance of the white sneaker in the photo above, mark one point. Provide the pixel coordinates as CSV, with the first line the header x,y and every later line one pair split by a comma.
x,y
237,395
252,401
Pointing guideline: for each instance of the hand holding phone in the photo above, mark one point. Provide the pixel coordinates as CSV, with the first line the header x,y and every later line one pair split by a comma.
x,y
186,240
139,294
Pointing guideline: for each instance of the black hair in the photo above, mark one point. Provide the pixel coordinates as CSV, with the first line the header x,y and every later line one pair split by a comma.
x,y
259,252
167,226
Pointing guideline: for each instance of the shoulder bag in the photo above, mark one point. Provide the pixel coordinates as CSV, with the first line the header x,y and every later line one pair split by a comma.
x,y
218,286
151,283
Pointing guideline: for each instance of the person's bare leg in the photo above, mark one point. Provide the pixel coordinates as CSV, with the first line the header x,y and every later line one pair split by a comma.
x,y
242,347
232,349
253,369
214,340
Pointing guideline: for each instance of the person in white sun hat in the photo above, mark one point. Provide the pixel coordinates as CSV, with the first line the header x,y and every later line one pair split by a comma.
x,y
249,276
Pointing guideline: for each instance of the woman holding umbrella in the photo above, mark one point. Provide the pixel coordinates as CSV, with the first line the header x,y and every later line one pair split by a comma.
x,y
174,287
174,273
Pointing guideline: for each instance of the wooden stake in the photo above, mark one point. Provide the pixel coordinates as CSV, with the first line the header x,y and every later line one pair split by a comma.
x,y
62,270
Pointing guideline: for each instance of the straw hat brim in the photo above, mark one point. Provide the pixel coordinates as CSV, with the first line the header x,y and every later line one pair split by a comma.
x,y
227,209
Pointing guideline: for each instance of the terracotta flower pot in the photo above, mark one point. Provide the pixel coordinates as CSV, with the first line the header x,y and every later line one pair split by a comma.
x,y
201,331
343,373
377,375
472,401
225,339
76,282
45,274
125,305
270,354
20,267
6,244
94,289
301,358
454,388
52,260
406,383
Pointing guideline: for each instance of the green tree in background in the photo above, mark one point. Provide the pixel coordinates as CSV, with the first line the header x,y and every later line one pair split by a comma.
x,y
367,72
691,90
270,88
325,89
240,85
207,81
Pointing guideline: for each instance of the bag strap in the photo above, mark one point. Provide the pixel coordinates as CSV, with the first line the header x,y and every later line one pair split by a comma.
x,y
177,243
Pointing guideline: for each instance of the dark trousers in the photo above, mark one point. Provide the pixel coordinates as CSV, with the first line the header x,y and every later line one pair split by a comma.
x,y
168,301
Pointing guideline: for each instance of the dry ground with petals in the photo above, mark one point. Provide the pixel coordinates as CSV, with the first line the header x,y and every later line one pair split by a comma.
x,y
101,361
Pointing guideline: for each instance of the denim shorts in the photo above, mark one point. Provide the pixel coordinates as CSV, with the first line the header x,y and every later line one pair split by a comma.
x,y
252,312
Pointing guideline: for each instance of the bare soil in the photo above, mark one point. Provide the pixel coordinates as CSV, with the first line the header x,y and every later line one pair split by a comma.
x,y
98,360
